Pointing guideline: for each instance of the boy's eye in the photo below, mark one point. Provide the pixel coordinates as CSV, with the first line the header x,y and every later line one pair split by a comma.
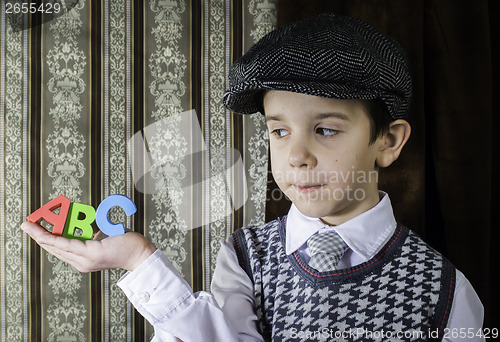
x,y
280,132
326,131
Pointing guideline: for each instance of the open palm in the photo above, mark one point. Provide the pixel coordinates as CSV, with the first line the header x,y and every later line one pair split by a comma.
x,y
126,251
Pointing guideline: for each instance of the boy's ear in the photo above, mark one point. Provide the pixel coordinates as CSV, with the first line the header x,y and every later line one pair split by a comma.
x,y
393,142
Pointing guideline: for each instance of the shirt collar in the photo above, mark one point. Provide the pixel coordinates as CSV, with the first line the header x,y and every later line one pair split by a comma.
x,y
365,234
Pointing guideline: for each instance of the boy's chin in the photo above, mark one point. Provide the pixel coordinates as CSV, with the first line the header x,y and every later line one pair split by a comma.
x,y
315,210
332,213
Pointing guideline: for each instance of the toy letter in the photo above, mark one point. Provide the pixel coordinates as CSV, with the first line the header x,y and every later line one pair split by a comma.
x,y
46,213
75,222
105,225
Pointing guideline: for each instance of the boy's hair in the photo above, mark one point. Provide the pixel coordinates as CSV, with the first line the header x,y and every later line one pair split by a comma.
x,y
380,121
329,56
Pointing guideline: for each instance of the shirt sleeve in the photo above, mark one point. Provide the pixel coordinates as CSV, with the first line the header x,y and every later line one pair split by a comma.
x,y
233,290
167,301
466,315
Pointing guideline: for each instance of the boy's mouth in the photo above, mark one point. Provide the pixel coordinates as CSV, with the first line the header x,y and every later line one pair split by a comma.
x,y
307,187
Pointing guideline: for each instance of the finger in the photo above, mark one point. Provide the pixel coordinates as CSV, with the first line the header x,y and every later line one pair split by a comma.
x,y
81,263
99,236
68,257
46,240
34,230
43,237
86,256
72,251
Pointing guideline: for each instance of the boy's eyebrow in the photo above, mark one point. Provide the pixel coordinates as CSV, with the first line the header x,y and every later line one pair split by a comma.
x,y
273,118
319,116
341,116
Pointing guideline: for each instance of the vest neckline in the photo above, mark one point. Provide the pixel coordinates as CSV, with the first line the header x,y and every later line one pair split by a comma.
x,y
340,275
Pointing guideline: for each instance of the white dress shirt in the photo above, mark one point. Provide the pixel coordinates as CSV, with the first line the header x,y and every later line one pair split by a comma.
x,y
160,294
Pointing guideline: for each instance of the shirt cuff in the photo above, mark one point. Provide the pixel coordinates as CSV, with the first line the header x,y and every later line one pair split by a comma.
x,y
155,288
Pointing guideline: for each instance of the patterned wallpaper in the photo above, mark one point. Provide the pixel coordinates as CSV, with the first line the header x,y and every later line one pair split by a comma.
x,y
73,91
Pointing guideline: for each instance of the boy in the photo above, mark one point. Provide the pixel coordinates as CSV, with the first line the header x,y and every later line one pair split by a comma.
x,y
335,93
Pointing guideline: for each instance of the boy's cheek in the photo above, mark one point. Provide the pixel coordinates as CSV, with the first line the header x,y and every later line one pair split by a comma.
x,y
277,170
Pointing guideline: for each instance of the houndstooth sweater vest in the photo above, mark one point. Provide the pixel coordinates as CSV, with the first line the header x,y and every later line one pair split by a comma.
x,y
403,293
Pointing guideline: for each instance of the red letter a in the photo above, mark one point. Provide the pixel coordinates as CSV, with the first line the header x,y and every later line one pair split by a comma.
x,y
46,213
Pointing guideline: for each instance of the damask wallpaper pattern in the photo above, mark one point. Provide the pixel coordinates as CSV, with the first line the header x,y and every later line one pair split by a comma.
x,y
73,91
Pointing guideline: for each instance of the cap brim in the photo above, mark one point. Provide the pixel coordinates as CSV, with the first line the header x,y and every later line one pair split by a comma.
x,y
246,97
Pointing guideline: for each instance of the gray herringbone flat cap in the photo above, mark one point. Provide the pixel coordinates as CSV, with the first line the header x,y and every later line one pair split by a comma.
x,y
329,56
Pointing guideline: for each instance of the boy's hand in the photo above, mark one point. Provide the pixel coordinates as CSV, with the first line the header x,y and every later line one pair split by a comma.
x,y
126,251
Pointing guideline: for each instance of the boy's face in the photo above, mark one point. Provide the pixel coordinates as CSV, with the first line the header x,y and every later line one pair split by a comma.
x,y
321,157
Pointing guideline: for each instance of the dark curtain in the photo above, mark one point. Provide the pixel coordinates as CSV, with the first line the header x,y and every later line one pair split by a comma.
x,y
444,185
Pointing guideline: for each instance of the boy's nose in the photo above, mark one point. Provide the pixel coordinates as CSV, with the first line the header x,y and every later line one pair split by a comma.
x,y
301,156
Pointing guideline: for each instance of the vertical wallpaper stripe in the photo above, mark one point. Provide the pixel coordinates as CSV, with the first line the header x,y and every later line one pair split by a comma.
x,y
96,179
73,91
215,73
25,184
67,160
196,90
13,113
138,41
206,126
2,177
34,172
228,122
106,153
259,18
128,186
